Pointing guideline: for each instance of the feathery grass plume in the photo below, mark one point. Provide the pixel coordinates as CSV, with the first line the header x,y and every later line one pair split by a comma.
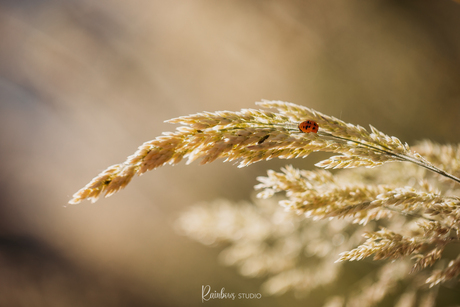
x,y
248,136
321,196
384,244
428,259
405,214
327,198
416,224
255,135
263,240
440,276
292,254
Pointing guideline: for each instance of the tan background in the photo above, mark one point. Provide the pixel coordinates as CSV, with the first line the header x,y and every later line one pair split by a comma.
x,y
83,83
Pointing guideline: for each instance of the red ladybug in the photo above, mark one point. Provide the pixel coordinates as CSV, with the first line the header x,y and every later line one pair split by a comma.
x,y
308,126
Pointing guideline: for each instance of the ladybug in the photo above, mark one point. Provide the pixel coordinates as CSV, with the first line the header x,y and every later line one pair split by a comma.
x,y
308,126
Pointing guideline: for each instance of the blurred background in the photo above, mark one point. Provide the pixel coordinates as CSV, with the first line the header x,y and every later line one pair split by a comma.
x,y
83,83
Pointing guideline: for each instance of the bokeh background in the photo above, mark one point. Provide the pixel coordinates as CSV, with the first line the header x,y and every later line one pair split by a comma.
x,y
83,83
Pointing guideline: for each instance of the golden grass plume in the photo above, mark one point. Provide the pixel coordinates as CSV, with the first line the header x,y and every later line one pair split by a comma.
x,y
408,213
254,135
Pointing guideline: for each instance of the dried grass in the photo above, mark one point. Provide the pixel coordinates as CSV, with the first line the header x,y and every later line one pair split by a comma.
x,y
406,215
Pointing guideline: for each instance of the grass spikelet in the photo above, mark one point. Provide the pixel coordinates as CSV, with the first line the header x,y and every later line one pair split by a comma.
x,y
423,261
383,244
452,270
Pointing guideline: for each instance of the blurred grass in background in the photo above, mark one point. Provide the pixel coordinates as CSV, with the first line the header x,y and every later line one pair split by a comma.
x,y
83,83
